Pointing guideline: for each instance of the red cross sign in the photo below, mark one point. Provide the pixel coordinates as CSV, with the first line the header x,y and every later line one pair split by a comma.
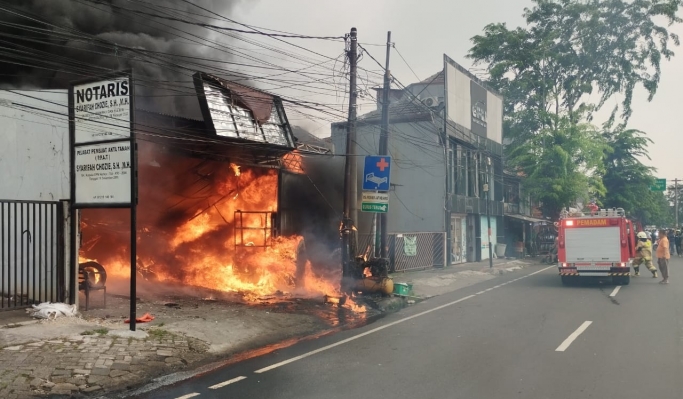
x,y
376,173
382,164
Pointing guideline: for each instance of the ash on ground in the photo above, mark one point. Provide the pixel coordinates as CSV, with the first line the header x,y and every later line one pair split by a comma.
x,y
226,321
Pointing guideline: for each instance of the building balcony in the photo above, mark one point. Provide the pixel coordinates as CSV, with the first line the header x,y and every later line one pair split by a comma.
x,y
511,208
462,204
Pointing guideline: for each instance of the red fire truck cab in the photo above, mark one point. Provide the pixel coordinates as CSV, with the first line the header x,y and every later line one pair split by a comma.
x,y
596,244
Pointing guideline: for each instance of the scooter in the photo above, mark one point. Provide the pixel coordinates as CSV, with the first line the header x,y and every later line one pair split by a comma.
x,y
550,258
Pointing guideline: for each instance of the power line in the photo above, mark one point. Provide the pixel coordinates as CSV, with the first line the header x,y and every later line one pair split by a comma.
x,y
223,28
406,62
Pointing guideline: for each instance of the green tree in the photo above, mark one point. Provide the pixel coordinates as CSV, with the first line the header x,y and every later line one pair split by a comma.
x,y
572,56
626,178
562,163
670,195
654,210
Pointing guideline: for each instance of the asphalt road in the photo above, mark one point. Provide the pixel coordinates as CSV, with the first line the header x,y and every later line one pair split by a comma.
x,y
521,335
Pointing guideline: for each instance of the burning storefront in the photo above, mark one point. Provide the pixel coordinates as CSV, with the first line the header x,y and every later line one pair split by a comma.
x,y
218,207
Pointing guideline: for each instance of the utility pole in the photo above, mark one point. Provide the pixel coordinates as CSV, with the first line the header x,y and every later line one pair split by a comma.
x,y
488,212
676,199
350,174
384,142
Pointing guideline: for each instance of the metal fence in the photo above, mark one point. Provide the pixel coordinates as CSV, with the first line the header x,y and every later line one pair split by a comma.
x,y
428,247
31,253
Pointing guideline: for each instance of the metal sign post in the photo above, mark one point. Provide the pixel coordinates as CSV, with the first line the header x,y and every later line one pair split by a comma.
x,y
103,156
376,184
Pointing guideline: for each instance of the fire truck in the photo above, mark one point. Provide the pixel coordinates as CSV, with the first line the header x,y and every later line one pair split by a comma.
x,y
601,243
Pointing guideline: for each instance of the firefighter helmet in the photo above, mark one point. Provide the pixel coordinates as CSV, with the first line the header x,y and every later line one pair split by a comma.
x,y
642,234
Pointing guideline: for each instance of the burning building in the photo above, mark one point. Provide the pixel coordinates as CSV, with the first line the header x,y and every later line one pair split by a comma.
x,y
224,203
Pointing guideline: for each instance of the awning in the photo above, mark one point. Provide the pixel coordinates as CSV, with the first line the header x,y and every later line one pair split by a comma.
x,y
527,218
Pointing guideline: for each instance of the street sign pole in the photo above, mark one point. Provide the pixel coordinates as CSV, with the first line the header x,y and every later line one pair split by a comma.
x,y
488,212
676,199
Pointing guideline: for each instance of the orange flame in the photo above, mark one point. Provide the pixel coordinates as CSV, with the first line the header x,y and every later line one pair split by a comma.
x,y
235,168
226,243
293,162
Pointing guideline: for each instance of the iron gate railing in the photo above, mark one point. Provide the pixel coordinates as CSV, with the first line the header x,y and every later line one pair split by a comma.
x,y
254,228
31,253
429,250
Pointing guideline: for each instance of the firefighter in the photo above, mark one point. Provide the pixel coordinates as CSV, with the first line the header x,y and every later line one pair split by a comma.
x,y
644,255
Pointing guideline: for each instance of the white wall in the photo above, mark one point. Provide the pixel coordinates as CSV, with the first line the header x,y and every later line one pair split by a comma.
x,y
34,155
494,117
425,91
485,237
459,104
34,166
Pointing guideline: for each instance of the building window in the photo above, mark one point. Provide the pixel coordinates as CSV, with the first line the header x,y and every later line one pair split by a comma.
x,y
472,172
498,178
452,165
461,179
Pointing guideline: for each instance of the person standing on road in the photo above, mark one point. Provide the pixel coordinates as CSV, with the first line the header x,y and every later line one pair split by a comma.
x,y
663,256
678,243
644,255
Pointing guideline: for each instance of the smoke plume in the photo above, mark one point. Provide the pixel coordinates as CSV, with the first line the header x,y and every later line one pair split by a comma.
x,y
48,43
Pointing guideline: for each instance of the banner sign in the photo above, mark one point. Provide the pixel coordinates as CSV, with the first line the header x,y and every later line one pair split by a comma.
x,y
102,110
103,173
102,141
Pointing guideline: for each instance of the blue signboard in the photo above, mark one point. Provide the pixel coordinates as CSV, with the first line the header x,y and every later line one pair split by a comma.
x,y
376,173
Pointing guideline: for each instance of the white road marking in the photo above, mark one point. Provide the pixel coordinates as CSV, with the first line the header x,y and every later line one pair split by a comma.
x,y
616,289
536,272
228,382
374,330
188,396
573,336
479,293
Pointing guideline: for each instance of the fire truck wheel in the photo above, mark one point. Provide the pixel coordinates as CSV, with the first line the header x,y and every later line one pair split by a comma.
x,y
621,280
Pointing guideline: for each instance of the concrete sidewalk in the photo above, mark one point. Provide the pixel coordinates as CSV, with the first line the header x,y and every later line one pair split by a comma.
x,y
433,282
96,352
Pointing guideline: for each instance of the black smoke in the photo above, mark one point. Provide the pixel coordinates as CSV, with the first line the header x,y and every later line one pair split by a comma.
x,y
49,43
312,204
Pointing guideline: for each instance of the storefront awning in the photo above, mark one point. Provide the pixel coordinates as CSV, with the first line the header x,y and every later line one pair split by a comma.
x,y
527,218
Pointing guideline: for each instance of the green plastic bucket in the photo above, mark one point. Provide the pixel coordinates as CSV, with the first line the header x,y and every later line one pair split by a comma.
x,y
403,289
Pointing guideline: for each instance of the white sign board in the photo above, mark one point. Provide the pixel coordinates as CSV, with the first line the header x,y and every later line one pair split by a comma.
x,y
102,110
472,104
102,173
376,198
